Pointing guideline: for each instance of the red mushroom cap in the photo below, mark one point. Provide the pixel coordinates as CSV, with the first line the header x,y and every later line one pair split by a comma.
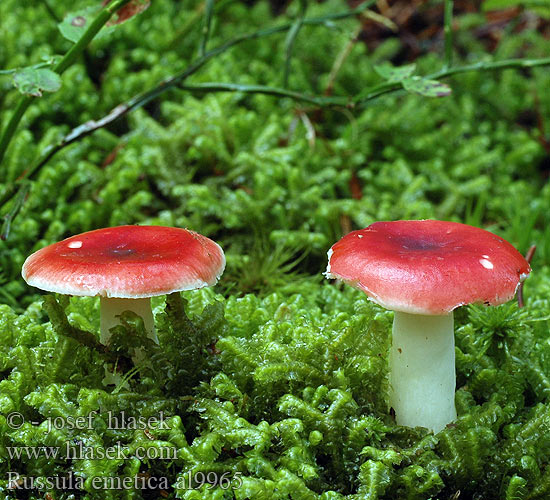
x,y
126,262
428,266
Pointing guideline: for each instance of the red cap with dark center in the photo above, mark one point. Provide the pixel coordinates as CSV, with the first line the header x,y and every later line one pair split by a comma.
x,y
126,262
428,266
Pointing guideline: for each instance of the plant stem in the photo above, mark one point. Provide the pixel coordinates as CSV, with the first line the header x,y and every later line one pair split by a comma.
x,y
339,61
68,59
266,90
208,14
22,105
50,11
291,39
62,326
15,70
448,20
387,87
17,205
174,81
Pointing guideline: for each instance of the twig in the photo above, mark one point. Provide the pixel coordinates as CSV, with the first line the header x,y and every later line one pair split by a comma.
x,y
73,53
387,87
50,11
208,14
310,129
62,326
369,94
177,81
174,81
339,61
528,258
291,39
381,19
448,20
266,90
17,205
192,21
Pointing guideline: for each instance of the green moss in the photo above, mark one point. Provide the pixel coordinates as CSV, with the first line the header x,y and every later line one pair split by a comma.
x,y
291,393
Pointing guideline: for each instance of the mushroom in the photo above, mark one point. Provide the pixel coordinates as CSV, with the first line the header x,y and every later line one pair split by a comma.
x,y
126,266
423,270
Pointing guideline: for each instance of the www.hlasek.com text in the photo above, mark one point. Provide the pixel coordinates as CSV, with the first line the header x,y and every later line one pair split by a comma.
x,y
79,451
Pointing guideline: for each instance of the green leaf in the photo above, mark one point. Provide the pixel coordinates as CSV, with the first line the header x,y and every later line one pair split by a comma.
x,y
32,81
76,23
429,88
393,73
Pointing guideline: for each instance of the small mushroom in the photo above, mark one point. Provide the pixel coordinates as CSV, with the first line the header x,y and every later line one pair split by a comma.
x,y
423,270
125,266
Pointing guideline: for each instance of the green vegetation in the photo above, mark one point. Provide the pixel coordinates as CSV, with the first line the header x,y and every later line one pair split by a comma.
x,y
275,377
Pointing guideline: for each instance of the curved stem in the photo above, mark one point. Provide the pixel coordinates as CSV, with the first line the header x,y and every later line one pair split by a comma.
x,y
422,370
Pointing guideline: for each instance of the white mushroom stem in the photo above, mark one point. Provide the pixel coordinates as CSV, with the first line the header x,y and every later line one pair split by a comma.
x,y
112,308
422,370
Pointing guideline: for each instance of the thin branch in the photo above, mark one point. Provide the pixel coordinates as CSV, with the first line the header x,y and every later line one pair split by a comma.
x,y
50,11
73,53
17,205
291,39
191,22
448,20
380,19
368,95
310,129
62,327
174,81
386,87
208,14
266,90
177,80
339,61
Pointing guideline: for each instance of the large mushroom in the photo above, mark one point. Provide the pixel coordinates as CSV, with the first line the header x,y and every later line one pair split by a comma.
x,y
125,266
423,270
